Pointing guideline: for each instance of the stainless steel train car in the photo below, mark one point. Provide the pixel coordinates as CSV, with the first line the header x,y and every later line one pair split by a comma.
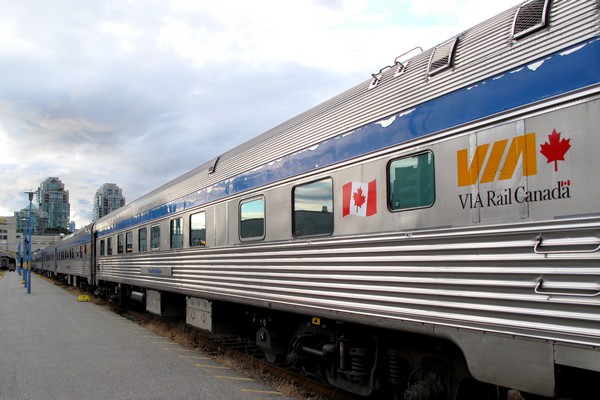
x,y
431,233
70,259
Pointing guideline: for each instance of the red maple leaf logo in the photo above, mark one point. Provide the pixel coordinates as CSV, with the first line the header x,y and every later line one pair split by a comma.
x,y
556,149
359,198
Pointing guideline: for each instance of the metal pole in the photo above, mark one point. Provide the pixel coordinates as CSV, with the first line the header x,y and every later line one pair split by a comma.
x,y
28,247
30,258
19,256
26,244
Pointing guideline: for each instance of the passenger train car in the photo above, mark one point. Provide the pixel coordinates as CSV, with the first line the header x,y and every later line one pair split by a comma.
x,y
69,259
431,233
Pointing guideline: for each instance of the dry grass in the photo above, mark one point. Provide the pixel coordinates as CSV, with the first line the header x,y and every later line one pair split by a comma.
x,y
194,339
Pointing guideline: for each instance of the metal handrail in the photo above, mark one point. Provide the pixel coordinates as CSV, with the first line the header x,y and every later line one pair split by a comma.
x,y
538,243
539,290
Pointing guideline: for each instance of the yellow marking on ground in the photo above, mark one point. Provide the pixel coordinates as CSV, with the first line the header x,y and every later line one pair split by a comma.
x,y
234,378
176,349
211,366
195,357
262,391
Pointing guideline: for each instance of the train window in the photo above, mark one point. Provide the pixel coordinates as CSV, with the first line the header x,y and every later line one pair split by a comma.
x,y
531,16
313,208
102,248
129,242
155,237
120,243
198,229
108,246
252,219
411,182
143,239
177,233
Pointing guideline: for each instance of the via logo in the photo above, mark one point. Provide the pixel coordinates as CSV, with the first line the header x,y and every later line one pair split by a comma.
x,y
484,167
478,169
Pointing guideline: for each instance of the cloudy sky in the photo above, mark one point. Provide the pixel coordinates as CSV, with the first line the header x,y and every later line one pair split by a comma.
x,y
138,92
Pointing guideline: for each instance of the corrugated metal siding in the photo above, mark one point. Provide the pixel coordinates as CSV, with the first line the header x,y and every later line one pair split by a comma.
x,y
469,278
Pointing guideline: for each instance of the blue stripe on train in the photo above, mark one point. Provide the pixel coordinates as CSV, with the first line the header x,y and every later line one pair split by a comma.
x,y
563,72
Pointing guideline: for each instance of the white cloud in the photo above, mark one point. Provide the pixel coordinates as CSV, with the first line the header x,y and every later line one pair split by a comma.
x,y
126,34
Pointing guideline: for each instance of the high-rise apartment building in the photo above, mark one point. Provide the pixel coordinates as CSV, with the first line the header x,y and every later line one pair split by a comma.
x,y
53,199
39,220
107,199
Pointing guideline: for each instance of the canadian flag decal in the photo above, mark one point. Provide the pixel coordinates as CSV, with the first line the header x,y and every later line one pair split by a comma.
x,y
360,198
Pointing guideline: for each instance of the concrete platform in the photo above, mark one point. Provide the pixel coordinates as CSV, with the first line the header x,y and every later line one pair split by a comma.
x,y
54,347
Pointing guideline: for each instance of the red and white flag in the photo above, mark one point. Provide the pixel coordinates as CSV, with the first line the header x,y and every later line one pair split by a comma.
x,y
360,198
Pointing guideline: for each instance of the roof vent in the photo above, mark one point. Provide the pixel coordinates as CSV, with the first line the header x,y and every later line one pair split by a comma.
x,y
531,16
442,57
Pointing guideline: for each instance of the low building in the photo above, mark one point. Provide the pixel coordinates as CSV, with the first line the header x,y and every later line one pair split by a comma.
x,y
12,240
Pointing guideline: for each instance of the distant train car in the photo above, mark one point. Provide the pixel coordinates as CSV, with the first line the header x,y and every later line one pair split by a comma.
x,y
71,258
432,233
38,260
43,261
7,262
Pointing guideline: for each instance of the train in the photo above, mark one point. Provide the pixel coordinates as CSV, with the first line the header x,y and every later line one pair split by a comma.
x,y
431,233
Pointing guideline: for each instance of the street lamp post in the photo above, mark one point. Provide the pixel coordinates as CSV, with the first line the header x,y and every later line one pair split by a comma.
x,y
30,193
19,257
25,224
